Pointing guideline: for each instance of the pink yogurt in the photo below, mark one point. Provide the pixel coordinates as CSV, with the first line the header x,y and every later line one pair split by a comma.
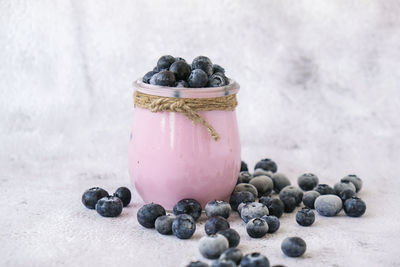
x,y
170,158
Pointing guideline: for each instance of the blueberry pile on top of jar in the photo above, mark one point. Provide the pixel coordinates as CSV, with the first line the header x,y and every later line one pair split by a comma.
x,y
176,72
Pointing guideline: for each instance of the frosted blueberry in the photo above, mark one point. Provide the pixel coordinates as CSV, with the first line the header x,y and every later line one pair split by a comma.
x,y
309,198
243,166
254,260
183,226
258,172
239,197
354,207
92,195
328,205
264,185
124,194
307,181
197,264
253,210
346,194
153,79
203,63
233,254
275,205
188,206
217,79
267,165
215,224
293,246
109,206
165,62
244,177
355,180
232,236
211,247
257,228
273,223
148,214
291,191
324,189
163,224
223,263
246,187
280,181
341,186
180,69
305,217
165,78
218,208
197,79
241,205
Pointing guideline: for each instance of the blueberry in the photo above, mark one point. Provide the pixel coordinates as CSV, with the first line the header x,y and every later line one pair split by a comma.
x,y
211,247
254,260
165,62
218,208
156,70
203,63
163,224
181,70
218,68
291,191
241,205
153,79
217,80
109,206
305,217
293,246
197,79
341,186
264,185
188,206
324,189
280,181
165,78
309,198
259,172
239,197
147,76
290,203
267,165
243,166
233,254
246,187
232,236
197,264
354,207
354,179
124,194
182,84
307,181
183,226
244,177
215,224
257,228
223,263
148,214
328,205
253,210
179,59
275,205
346,194
273,223
92,195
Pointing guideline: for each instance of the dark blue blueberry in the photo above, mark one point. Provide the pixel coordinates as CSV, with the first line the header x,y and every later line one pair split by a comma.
x,y
324,189
264,185
341,186
267,165
165,78
259,172
243,166
280,181
354,207
274,205
328,205
212,246
92,195
197,264
148,214
232,236
181,84
309,198
307,181
289,202
346,194
239,197
355,180
203,63
183,226
293,246
246,187
179,59
216,224
218,68
181,70
165,62
273,223
253,210
109,206
254,260
233,254
223,263
156,70
218,208
197,79
257,228
305,217
188,206
163,224
124,194
244,177
147,76
291,191
217,80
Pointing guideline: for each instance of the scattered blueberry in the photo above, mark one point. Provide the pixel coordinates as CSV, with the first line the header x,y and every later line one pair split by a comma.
x,y
289,203
341,186
324,189
165,62
217,80
165,78
233,254
212,246
259,172
109,206
354,179
218,68
181,70
215,224
243,166
163,224
328,205
254,260
197,79
148,214
218,208
305,217
92,195
223,263
274,205
181,84
183,226
346,194
293,246
241,205
246,187
280,181
197,264
309,198
188,206
147,76
257,228
307,181
264,185
239,197
267,165
291,191
354,207
203,63
244,177
124,194
273,223
253,210
232,236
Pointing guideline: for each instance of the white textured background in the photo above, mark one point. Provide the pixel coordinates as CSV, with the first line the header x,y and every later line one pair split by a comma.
x,y
320,92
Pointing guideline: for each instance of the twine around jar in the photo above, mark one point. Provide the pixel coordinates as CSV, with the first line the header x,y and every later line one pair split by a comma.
x,y
187,106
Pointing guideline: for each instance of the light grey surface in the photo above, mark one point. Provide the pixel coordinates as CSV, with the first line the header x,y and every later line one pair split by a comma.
x,y
319,93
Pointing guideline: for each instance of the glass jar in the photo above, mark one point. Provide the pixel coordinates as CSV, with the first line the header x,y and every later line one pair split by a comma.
x,y
171,158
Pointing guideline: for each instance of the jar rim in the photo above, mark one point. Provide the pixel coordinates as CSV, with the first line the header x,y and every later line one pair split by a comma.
x,y
183,92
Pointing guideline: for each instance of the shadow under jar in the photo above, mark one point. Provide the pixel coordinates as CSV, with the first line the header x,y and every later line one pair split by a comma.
x,y
172,158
